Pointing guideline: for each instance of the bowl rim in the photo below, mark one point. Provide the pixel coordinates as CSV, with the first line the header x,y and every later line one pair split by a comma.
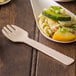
x,y
49,38
36,13
5,2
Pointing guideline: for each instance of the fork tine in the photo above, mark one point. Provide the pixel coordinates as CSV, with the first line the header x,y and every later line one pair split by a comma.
x,y
10,28
5,33
7,30
14,26
18,28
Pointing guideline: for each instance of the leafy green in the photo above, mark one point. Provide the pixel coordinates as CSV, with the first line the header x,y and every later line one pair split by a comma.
x,y
73,27
55,9
63,30
55,16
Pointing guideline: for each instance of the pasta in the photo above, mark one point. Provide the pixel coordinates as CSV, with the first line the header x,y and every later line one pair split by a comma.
x,y
48,26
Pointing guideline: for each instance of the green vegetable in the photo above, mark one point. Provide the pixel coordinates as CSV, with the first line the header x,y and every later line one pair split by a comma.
x,y
63,30
55,9
50,14
73,27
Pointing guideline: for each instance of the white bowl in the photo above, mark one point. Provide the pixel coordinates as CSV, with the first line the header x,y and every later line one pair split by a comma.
x,y
39,5
5,2
63,0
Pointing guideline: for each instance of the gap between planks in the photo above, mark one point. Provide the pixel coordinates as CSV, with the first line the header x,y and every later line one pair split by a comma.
x,y
34,53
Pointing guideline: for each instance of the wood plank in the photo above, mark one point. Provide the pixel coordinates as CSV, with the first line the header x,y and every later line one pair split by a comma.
x,y
47,66
16,57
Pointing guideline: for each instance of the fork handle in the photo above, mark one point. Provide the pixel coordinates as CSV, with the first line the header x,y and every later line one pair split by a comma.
x,y
50,52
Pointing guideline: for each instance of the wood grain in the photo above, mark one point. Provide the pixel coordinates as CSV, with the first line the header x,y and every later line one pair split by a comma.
x,y
19,59
47,66
16,57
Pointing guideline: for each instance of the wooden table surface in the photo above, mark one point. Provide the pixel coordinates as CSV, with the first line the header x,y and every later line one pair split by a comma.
x,y
18,59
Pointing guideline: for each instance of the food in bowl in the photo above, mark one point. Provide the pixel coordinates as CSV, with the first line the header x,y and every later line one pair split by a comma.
x,y
57,24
